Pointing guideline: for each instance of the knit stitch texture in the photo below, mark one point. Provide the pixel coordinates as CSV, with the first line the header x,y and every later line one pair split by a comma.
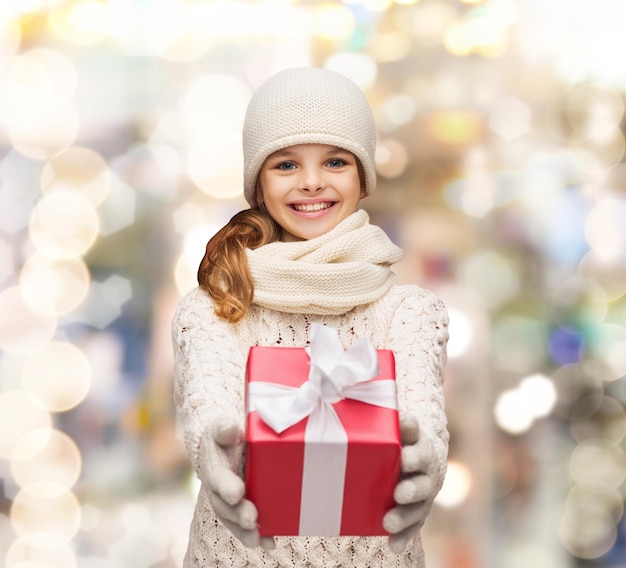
x,y
307,105
330,274
210,358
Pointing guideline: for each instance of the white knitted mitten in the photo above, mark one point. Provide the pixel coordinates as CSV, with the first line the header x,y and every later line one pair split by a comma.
x,y
221,468
416,490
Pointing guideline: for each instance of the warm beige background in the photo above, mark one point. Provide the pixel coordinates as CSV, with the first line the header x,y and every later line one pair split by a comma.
x,y
500,173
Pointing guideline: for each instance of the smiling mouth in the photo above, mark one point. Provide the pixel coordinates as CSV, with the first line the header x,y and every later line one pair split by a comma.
x,y
312,207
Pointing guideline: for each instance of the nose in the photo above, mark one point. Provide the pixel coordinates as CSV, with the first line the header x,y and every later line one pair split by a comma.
x,y
311,179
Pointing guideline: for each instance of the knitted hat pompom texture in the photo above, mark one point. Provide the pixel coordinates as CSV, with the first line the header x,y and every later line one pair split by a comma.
x,y
307,105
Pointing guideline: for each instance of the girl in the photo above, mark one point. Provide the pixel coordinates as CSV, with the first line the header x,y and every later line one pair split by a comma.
x,y
304,253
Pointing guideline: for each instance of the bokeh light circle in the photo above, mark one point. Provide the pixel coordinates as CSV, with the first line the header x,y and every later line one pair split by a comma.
x,y
587,531
518,343
10,36
540,389
457,485
59,375
214,164
151,169
594,111
25,85
176,31
7,265
430,21
64,224
399,109
332,21
23,554
46,515
392,158
574,382
462,333
597,158
46,456
455,127
22,330
197,235
598,417
80,169
53,287
598,462
609,272
605,228
514,411
606,345
83,22
47,136
185,275
361,68
20,414
492,276
597,496
376,5
578,300
61,74
214,102
35,84
390,46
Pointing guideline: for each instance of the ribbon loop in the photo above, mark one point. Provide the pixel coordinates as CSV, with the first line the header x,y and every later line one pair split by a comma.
x,y
333,375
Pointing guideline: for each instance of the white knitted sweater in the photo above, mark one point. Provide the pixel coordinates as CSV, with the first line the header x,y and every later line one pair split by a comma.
x,y
209,379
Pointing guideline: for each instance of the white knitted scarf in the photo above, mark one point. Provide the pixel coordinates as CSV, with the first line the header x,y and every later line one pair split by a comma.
x,y
347,267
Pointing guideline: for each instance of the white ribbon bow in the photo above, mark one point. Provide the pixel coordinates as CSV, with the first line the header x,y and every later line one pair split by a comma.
x,y
334,374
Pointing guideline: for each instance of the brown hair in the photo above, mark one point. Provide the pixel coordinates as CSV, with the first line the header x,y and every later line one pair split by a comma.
x,y
224,272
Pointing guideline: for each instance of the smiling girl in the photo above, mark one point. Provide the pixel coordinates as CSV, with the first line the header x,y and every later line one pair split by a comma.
x,y
304,253
309,188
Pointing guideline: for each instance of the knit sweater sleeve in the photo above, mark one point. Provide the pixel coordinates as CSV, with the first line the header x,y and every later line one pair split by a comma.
x,y
418,335
209,369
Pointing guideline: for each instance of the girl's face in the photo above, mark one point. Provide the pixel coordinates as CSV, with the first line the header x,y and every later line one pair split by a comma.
x,y
309,188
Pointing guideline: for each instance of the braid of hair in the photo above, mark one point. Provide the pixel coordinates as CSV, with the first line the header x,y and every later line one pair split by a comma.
x,y
224,272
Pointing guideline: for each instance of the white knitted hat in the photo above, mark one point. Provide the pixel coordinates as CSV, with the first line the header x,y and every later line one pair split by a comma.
x,y
307,105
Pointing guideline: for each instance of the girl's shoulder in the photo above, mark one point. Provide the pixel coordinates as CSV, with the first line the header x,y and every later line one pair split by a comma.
x,y
196,297
413,312
194,300
195,321
196,306
405,309
412,298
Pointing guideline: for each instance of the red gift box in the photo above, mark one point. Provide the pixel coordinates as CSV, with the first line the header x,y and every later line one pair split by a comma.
x,y
299,487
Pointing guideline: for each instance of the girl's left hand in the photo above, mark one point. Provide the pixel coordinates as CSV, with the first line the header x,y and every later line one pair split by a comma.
x,y
416,490
221,471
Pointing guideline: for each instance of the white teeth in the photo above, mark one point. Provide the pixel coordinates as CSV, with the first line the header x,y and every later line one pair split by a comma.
x,y
310,207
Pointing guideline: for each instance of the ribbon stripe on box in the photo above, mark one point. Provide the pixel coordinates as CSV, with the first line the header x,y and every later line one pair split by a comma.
x,y
334,375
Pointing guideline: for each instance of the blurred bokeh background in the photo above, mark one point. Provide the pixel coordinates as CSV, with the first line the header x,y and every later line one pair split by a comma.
x,y
501,172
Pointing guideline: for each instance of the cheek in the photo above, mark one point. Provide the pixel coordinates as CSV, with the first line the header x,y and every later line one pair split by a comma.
x,y
258,193
274,188
266,188
360,184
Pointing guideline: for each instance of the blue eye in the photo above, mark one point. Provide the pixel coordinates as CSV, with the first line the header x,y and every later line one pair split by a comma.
x,y
286,166
336,163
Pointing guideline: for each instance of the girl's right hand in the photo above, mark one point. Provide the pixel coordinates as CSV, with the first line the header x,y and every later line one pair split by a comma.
x,y
415,492
220,469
